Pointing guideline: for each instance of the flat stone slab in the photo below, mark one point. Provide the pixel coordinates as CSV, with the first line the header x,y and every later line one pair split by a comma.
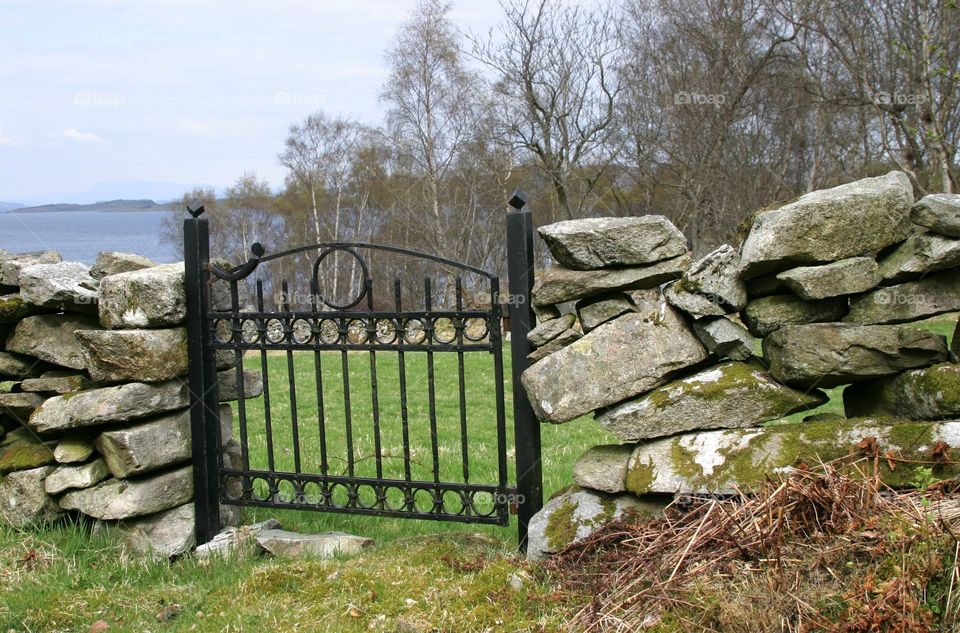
x,y
113,262
327,545
845,277
13,308
149,297
598,310
63,286
57,382
76,477
549,330
712,286
559,284
24,455
910,301
127,498
830,225
921,254
768,314
73,449
23,501
11,267
603,468
831,354
594,243
931,393
124,355
52,337
725,462
727,396
620,359
724,338
18,367
558,343
163,535
19,405
121,403
227,385
939,212
236,540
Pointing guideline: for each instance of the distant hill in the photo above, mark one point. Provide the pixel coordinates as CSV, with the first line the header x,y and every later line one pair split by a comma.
x,y
113,206
8,206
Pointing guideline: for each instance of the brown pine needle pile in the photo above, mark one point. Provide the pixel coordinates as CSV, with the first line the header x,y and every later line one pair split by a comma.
x,y
815,551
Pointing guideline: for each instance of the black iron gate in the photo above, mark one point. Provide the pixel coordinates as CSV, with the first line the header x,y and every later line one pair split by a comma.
x,y
352,416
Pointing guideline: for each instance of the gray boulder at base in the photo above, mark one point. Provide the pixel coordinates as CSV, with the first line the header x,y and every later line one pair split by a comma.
x,y
109,404
145,355
566,337
620,359
52,337
163,535
70,477
293,545
236,541
598,310
559,284
932,393
10,268
549,330
939,212
153,445
64,286
126,498
603,468
58,382
910,301
831,354
724,338
14,307
712,285
576,514
845,277
736,460
252,384
767,314
17,367
73,448
594,243
112,262
829,225
727,396
23,501
150,297
921,254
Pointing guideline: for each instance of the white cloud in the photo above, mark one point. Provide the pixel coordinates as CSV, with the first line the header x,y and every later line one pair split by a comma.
x,y
6,141
77,136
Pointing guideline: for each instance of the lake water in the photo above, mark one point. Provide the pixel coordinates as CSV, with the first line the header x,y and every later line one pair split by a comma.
x,y
80,235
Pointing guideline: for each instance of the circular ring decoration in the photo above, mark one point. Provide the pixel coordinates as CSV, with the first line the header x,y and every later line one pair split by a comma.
x,y
445,331
414,331
475,329
386,331
301,331
316,278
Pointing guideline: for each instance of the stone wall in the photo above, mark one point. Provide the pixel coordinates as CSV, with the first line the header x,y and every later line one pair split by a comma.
x,y
93,401
689,364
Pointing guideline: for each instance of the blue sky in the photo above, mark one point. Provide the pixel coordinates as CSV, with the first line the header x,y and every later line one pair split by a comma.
x,y
97,91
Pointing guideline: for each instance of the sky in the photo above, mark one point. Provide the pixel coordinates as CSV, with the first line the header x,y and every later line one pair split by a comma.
x,y
98,94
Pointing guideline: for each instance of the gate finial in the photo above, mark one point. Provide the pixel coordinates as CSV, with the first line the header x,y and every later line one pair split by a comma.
x,y
195,208
518,199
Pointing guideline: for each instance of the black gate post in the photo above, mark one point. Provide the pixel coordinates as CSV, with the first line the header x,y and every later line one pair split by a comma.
x,y
204,408
525,424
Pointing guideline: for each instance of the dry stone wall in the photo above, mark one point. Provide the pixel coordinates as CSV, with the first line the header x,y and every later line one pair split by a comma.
x,y
693,366
93,398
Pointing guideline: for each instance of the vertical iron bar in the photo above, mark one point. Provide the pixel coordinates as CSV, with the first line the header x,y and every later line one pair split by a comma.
x,y
264,366
526,426
287,324
318,371
344,330
464,453
204,407
431,388
235,330
496,343
402,364
374,396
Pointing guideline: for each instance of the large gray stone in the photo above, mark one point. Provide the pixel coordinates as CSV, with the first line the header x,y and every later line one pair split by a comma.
x,y
620,359
73,449
549,330
559,284
765,286
17,367
598,310
126,498
740,460
603,468
150,297
64,286
724,337
727,396
939,212
227,385
112,262
712,286
576,514
932,393
23,501
558,343
58,382
22,452
922,253
327,545
52,337
613,242
163,535
767,314
11,267
76,477
829,225
121,403
910,301
146,355
236,541
13,308
153,445
831,354
845,277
